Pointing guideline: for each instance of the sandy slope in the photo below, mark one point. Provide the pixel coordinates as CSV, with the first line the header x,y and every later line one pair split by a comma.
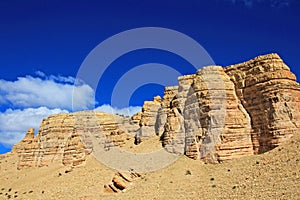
x,y
273,175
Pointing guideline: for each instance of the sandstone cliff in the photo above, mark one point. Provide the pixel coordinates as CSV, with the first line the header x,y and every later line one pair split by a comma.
x,y
214,115
223,113
270,94
64,138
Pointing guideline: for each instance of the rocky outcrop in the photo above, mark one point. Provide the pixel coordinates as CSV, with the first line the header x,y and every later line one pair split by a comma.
x,y
207,120
173,138
122,181
149,114
214,115
220,113
270,94
65,138
136,118
169,94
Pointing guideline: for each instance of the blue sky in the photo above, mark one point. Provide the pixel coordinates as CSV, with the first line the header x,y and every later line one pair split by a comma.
x,y
43,44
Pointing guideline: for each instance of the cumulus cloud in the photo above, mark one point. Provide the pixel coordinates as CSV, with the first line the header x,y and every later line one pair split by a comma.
x,y
14,123
62,79
52,92
40,74
57,78
129,111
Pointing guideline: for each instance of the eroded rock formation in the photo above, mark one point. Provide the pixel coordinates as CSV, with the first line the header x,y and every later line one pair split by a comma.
x,y
149,115
122,181
220,113
270,94
66,138
214,115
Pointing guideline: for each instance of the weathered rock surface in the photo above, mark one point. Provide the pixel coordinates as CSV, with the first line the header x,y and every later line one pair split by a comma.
x,y
270,94
173,137
65,138
207,121
149,114
122,181
169,94
223,113
214,115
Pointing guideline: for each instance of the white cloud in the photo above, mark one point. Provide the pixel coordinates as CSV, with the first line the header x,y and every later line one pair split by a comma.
x,y
58,78
14,123
40,74
52,92
62,79
129,111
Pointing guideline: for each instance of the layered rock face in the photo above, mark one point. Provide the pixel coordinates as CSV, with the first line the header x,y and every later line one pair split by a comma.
x,y
220,113
214,115
206,120
270,94
148,117
66,138
223,129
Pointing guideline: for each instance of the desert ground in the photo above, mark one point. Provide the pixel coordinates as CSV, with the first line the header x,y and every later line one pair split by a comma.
x,y
272,175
